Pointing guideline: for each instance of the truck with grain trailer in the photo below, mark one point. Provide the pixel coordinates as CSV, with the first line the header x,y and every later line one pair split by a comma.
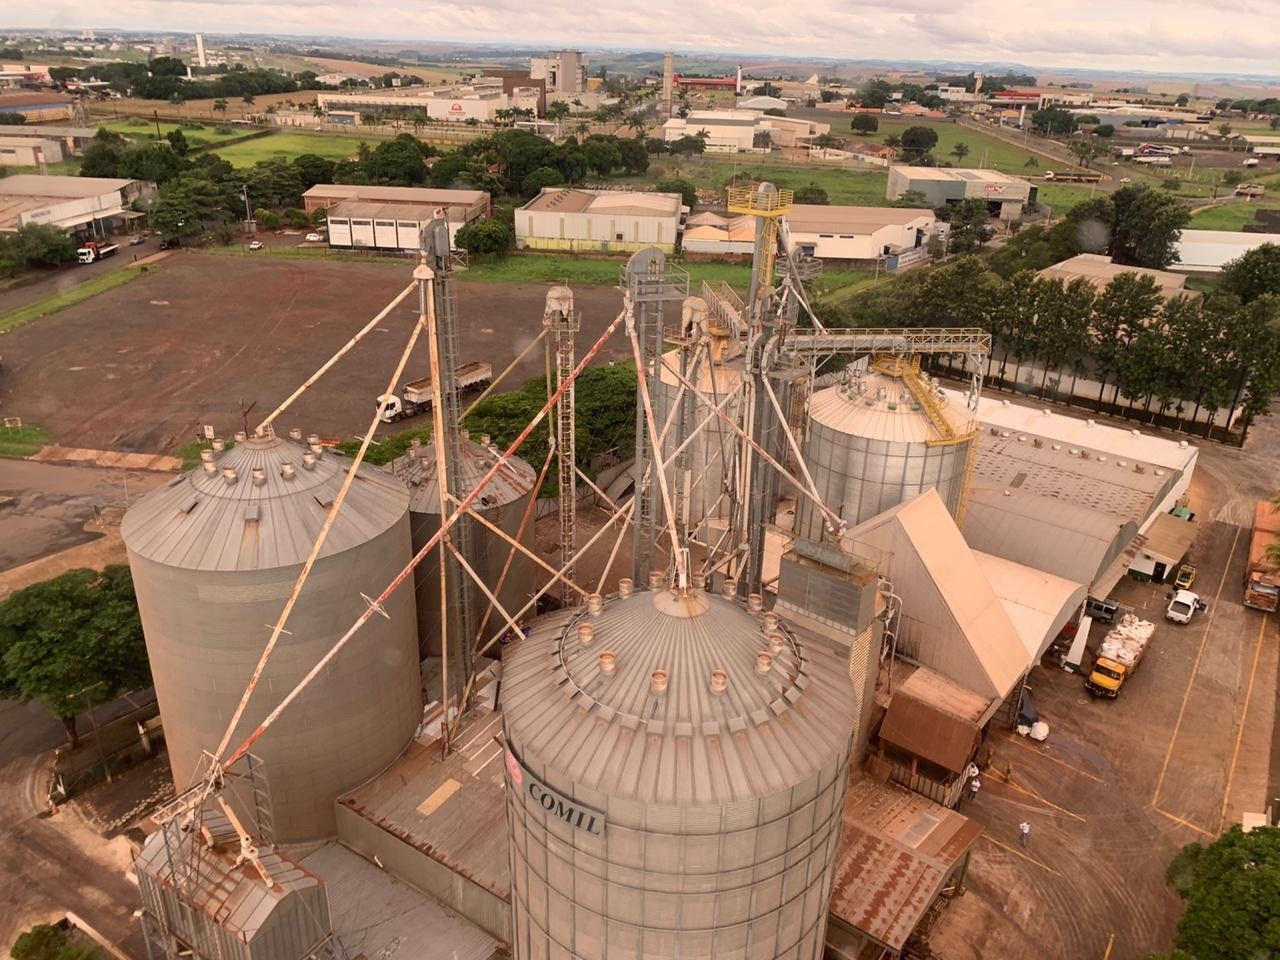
x,y
1262,575
1122,652
416,396
92,251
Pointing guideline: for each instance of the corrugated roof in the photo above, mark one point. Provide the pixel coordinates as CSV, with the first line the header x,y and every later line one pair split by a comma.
x,y
622,202
204,521
232,895
941,173
79,188
376,915
946,695
1100,271
820,218
418,213
426,195
924,730
896,854
952,621
417,468
765,733
857,409
1169,538
1038,603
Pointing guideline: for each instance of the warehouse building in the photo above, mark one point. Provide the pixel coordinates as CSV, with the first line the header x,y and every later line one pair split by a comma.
x,y
391,218
736,131
479,101
28,151
1100,271
71,140
859,234
84,206
1005,196
1208,251
42,106
609,221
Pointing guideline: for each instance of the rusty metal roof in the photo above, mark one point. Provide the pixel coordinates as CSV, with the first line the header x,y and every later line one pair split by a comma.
x,y
897,852
928,731
417,468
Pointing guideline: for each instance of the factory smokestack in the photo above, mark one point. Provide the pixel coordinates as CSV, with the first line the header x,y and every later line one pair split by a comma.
x,y
668,82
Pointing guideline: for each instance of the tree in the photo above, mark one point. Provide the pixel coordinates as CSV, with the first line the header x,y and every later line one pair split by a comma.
x,y
153,162
913,199
398,162
1053,120
602,156
178,142
248,99
970,228
75,636
1147,227
635,156
49,942
918,141
1183,100
486,236
687,146
1224,128
1232,891
960,150
1085,151
42,245
1253,274
313,169
812,194
220,105
12,119
167,67
540,178
1104,130
557,110
874,93
102,155
893,141
864,123
687,191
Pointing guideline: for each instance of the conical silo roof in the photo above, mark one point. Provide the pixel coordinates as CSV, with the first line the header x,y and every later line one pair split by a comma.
x,y
684,670
417,468
261,505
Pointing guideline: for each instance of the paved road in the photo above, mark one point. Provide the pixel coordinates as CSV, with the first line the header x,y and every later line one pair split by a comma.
x,y
64,278
51,865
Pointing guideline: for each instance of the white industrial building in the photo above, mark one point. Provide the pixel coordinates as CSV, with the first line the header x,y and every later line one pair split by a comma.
x,y
479,101
85,206
607,221
1099,270
859,233
1208,251
26,151
734,131
391,218
1005,196
564,71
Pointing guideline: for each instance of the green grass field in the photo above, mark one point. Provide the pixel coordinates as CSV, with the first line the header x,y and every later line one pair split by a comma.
x,y
146,130
22,441
288,146
1061,197
69,298
545,268
1229,216
984,151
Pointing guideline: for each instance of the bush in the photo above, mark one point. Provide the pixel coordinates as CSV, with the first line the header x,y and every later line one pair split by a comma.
x,y
688,192
41,245
294,217
540,178
487,236
267,219
865,123
1172,184
812,194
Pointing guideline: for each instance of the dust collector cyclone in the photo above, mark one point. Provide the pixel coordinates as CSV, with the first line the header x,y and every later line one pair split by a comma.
x,y
215,553
676,770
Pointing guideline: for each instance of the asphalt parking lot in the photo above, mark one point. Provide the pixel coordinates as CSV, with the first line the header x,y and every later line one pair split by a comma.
x,y
141,367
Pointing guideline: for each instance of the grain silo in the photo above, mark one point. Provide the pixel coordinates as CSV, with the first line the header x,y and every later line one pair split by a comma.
x,y
676,769
880,437
502,502
215,553
712,454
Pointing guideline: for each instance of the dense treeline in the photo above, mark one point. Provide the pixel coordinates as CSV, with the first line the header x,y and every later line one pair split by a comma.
x,y
1182,357
165,78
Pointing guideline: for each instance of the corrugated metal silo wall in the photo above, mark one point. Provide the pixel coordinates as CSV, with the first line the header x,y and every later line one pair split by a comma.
x,y
205,632
860,478
491,555
747,881
710,454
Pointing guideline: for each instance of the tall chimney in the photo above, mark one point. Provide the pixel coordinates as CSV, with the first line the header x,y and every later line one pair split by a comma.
x,y
668,83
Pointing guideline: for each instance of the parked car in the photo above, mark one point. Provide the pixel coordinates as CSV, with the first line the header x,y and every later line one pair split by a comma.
x,y
1183,605
1186,576
137,240
314,238
255,245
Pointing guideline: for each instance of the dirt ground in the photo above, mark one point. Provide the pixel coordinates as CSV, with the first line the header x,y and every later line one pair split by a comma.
x,y
1120,786
141,367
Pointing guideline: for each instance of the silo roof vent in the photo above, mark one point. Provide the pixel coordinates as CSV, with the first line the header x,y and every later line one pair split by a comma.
x,y
229,474
259,476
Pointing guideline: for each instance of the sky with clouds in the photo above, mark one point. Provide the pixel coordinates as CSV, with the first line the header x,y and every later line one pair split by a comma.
x,y
1183,36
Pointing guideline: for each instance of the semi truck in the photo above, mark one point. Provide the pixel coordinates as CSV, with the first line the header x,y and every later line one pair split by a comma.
x,y
1262,575
1122,652
416,396
92,250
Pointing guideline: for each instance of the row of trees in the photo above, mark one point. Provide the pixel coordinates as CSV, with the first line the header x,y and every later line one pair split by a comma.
x,y
35,245
1180,357
165,78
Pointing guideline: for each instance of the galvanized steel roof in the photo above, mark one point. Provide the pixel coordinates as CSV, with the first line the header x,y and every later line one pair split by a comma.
x,y
233,896
609,732
258,506
1038,603
417,468
896,418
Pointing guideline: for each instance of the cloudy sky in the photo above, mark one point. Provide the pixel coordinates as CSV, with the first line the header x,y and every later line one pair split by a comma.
x,y
1183,36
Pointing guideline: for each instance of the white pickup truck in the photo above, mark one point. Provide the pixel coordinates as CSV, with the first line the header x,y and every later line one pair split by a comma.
x,y
417,394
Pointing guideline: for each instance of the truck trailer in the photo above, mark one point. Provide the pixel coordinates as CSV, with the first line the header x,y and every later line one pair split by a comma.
x,y
1262,575
416,396
92,250
1120,655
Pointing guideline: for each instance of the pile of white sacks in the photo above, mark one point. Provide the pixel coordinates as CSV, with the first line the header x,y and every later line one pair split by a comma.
x,y
1127,640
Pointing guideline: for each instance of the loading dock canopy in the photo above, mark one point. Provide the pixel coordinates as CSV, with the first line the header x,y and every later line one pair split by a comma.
x,y
1169,539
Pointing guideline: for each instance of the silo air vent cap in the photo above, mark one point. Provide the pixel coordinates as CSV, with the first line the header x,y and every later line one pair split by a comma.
x,y
308,461
259,476
730,587
719,680
608,661
764,662
776,643
586,633
595,603
295,433
218,444
626,587
658,682
241,436
755,603
698,581
229,474
769,623
657,579
287,471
